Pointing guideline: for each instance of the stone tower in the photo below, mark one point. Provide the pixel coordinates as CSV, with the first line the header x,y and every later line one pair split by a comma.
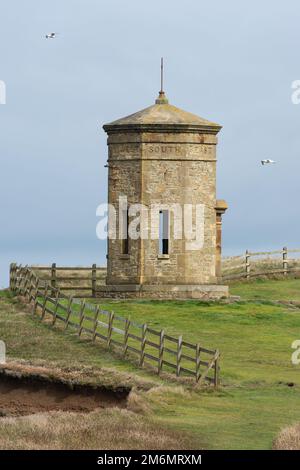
x,y
164,157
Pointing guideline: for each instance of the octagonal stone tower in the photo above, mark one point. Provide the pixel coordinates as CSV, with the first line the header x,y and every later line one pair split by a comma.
x,y
163,157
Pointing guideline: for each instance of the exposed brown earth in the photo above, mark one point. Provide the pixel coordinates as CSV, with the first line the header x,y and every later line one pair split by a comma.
x,y
28,395
41,408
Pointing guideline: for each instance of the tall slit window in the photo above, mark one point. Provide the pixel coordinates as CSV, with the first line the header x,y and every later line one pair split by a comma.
x,y
164,232
124,234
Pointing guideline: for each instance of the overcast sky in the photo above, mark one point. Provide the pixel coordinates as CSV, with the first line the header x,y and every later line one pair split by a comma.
x,y
228,61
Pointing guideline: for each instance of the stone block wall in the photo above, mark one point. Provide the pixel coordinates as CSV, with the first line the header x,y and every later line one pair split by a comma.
x,y
163,168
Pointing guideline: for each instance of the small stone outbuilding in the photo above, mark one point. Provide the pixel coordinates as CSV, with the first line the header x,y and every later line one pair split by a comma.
x,y
164,157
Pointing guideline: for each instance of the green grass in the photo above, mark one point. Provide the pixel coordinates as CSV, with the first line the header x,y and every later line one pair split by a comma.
x,y
268,290
239,418
253,335
254,338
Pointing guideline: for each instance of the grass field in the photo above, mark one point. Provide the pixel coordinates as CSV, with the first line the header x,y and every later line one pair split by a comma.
x,y
262,289
260,387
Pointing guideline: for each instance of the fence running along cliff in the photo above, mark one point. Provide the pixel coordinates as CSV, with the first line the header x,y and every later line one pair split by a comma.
x,y
264,263
151,347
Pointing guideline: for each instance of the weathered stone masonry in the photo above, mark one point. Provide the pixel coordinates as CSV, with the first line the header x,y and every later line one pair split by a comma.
x,y
163,155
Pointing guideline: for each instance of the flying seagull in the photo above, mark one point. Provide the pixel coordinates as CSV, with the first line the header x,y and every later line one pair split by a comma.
x,y
50,35
266,162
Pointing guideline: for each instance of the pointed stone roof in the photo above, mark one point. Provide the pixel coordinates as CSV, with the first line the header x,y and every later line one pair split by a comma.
x,y
162,117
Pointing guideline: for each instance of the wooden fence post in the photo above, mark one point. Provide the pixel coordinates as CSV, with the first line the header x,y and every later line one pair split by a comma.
x,y
26,281
143,344
55,307
11,267
15,274
285,260
36,286
31,287
17,280
96,322
11,276
28,287
81,317
161,351
22,273
94,279
45,300
248,267
23,281
212,365
198,350
69,311
109,330
126,336
179,354
37,283
28,278
53,275
216,371
20,280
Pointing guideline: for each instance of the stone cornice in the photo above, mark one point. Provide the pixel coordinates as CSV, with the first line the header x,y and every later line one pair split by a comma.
x,y
162,128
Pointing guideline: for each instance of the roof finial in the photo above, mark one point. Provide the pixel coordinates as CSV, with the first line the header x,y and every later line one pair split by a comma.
x,y
162,75
162,99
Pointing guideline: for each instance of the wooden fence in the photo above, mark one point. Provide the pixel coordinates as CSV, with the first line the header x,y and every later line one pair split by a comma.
x,y
264,263
83,281
80,280
150,346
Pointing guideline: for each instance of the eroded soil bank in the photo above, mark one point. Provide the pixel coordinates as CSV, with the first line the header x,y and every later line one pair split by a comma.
x,y
21,395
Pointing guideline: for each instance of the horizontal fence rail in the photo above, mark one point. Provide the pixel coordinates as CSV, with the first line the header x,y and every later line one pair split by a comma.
x,y
82,281
151,347
264,263
79,280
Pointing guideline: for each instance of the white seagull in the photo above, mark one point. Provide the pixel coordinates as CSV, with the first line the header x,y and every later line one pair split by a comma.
x,y
50,35
266,162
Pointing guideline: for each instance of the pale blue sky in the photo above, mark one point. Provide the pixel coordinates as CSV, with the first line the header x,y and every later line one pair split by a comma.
x,y
232,62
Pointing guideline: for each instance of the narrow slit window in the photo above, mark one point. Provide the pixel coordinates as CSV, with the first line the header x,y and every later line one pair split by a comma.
x,y
164,232
124,235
